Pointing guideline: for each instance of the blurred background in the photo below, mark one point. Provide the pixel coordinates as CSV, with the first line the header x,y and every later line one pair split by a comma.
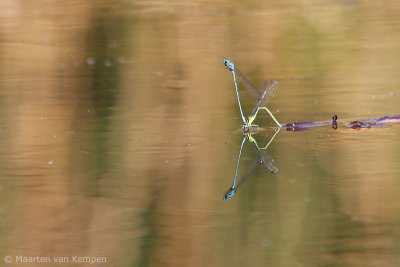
x,y
120,132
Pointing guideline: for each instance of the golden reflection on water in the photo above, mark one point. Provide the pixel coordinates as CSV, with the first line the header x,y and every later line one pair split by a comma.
x,y
119,132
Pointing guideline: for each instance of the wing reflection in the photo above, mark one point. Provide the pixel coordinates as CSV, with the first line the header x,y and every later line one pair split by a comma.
x,y
263,158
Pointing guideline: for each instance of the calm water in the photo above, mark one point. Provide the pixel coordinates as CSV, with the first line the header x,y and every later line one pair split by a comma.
x,y
120,133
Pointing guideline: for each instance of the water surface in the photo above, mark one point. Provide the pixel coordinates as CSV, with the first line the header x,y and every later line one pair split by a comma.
x,y
120,133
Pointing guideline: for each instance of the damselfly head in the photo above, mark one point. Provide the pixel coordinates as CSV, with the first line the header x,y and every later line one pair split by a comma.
x,y
250,129
228,64
229,194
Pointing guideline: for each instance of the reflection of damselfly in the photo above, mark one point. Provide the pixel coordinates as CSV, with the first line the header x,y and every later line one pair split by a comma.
x,y
262,159
267,92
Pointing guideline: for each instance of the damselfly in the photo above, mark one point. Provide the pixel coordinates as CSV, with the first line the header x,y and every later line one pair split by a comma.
x,y
263,96
263,159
